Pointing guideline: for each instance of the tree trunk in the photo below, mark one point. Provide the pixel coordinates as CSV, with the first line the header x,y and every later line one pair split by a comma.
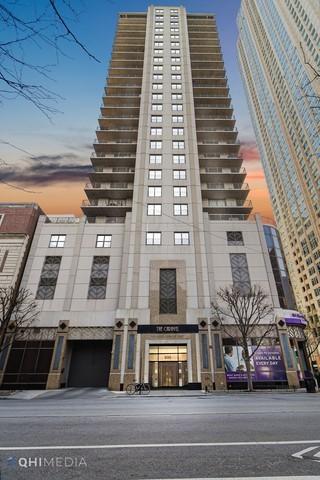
x,y
249,374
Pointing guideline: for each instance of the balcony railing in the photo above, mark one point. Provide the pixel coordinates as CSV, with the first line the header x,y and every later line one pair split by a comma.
x,y
241,171
112,155
222,186
106,186
106,202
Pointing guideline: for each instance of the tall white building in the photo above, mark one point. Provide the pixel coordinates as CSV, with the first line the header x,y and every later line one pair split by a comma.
x,y
279,52
125,292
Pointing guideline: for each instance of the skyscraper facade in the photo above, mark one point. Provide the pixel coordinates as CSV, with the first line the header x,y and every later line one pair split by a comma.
x,y
279,56
125,292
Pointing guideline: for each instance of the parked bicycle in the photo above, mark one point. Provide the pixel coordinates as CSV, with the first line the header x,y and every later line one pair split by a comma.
x,y
140,388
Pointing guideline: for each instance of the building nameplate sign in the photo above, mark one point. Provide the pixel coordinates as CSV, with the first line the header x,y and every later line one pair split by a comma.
x,y
190,328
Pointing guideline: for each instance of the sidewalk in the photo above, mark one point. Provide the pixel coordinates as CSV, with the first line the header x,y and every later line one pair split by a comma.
x,y
71,393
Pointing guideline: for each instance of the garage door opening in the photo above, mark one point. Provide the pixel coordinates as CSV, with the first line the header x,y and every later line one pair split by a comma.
x,y
90,363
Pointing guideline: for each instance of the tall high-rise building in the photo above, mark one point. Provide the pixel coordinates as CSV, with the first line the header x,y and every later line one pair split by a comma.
x,y
279,55
125,292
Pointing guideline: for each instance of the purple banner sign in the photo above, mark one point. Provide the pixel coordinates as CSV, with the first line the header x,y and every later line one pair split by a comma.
x,y
266,364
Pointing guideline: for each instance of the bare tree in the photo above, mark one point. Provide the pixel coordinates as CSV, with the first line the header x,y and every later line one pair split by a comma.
x,y
18,310
246,311
25,28
312,343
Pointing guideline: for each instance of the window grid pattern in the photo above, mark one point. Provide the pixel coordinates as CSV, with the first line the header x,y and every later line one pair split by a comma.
x,y
98,278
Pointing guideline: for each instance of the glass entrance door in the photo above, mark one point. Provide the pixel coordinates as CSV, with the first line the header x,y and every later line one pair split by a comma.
x,y
168,374
168,366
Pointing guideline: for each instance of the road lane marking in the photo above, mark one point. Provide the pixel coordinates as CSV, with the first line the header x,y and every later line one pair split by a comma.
x,y
308,477
159,445
306,450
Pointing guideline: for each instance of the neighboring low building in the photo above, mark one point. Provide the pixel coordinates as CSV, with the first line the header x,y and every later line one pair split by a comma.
x,y
279,267
17,225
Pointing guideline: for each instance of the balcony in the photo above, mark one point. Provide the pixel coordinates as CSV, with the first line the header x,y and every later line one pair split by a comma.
x,y
126,64
118,123
122,111
220,160
221,122
206,65
222,174
112,174
124,81
222,148
113,159
123,90
216,135
112,190
123,145
106,135
221,217
222,190
107,207
228,206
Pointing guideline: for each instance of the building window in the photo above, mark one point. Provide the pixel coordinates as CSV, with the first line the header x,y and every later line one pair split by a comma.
x,y
98,279
240,272
158,44
176,76
103,241
57,241
157,86
157,96
158,37
158,30
155,159
48,278
174,37
177,131
180,209
131,342
179,159
179,191
154,209
176,86
176,68
175,52
157,59
158,52
157,76
175,59
158,68
156,145
179,174
175,44
155,174
168,291
177,107
177,119
154,191
153,238
176,96
155,131
235,238
178,145
156,107
181,238
156,118
1,217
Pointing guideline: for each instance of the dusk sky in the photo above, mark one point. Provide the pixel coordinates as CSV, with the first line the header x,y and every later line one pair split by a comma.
x,y
54,156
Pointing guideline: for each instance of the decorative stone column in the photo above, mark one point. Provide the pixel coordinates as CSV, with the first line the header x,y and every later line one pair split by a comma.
x,y
57,362
220,382
116,356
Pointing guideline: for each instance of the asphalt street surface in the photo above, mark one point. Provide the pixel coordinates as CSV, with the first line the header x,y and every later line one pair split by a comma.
x,y
90,434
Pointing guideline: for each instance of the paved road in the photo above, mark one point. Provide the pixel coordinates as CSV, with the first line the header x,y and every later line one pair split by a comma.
x,y
118,438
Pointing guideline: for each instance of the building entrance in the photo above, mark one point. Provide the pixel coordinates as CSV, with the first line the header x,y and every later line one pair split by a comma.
x,y
168,366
